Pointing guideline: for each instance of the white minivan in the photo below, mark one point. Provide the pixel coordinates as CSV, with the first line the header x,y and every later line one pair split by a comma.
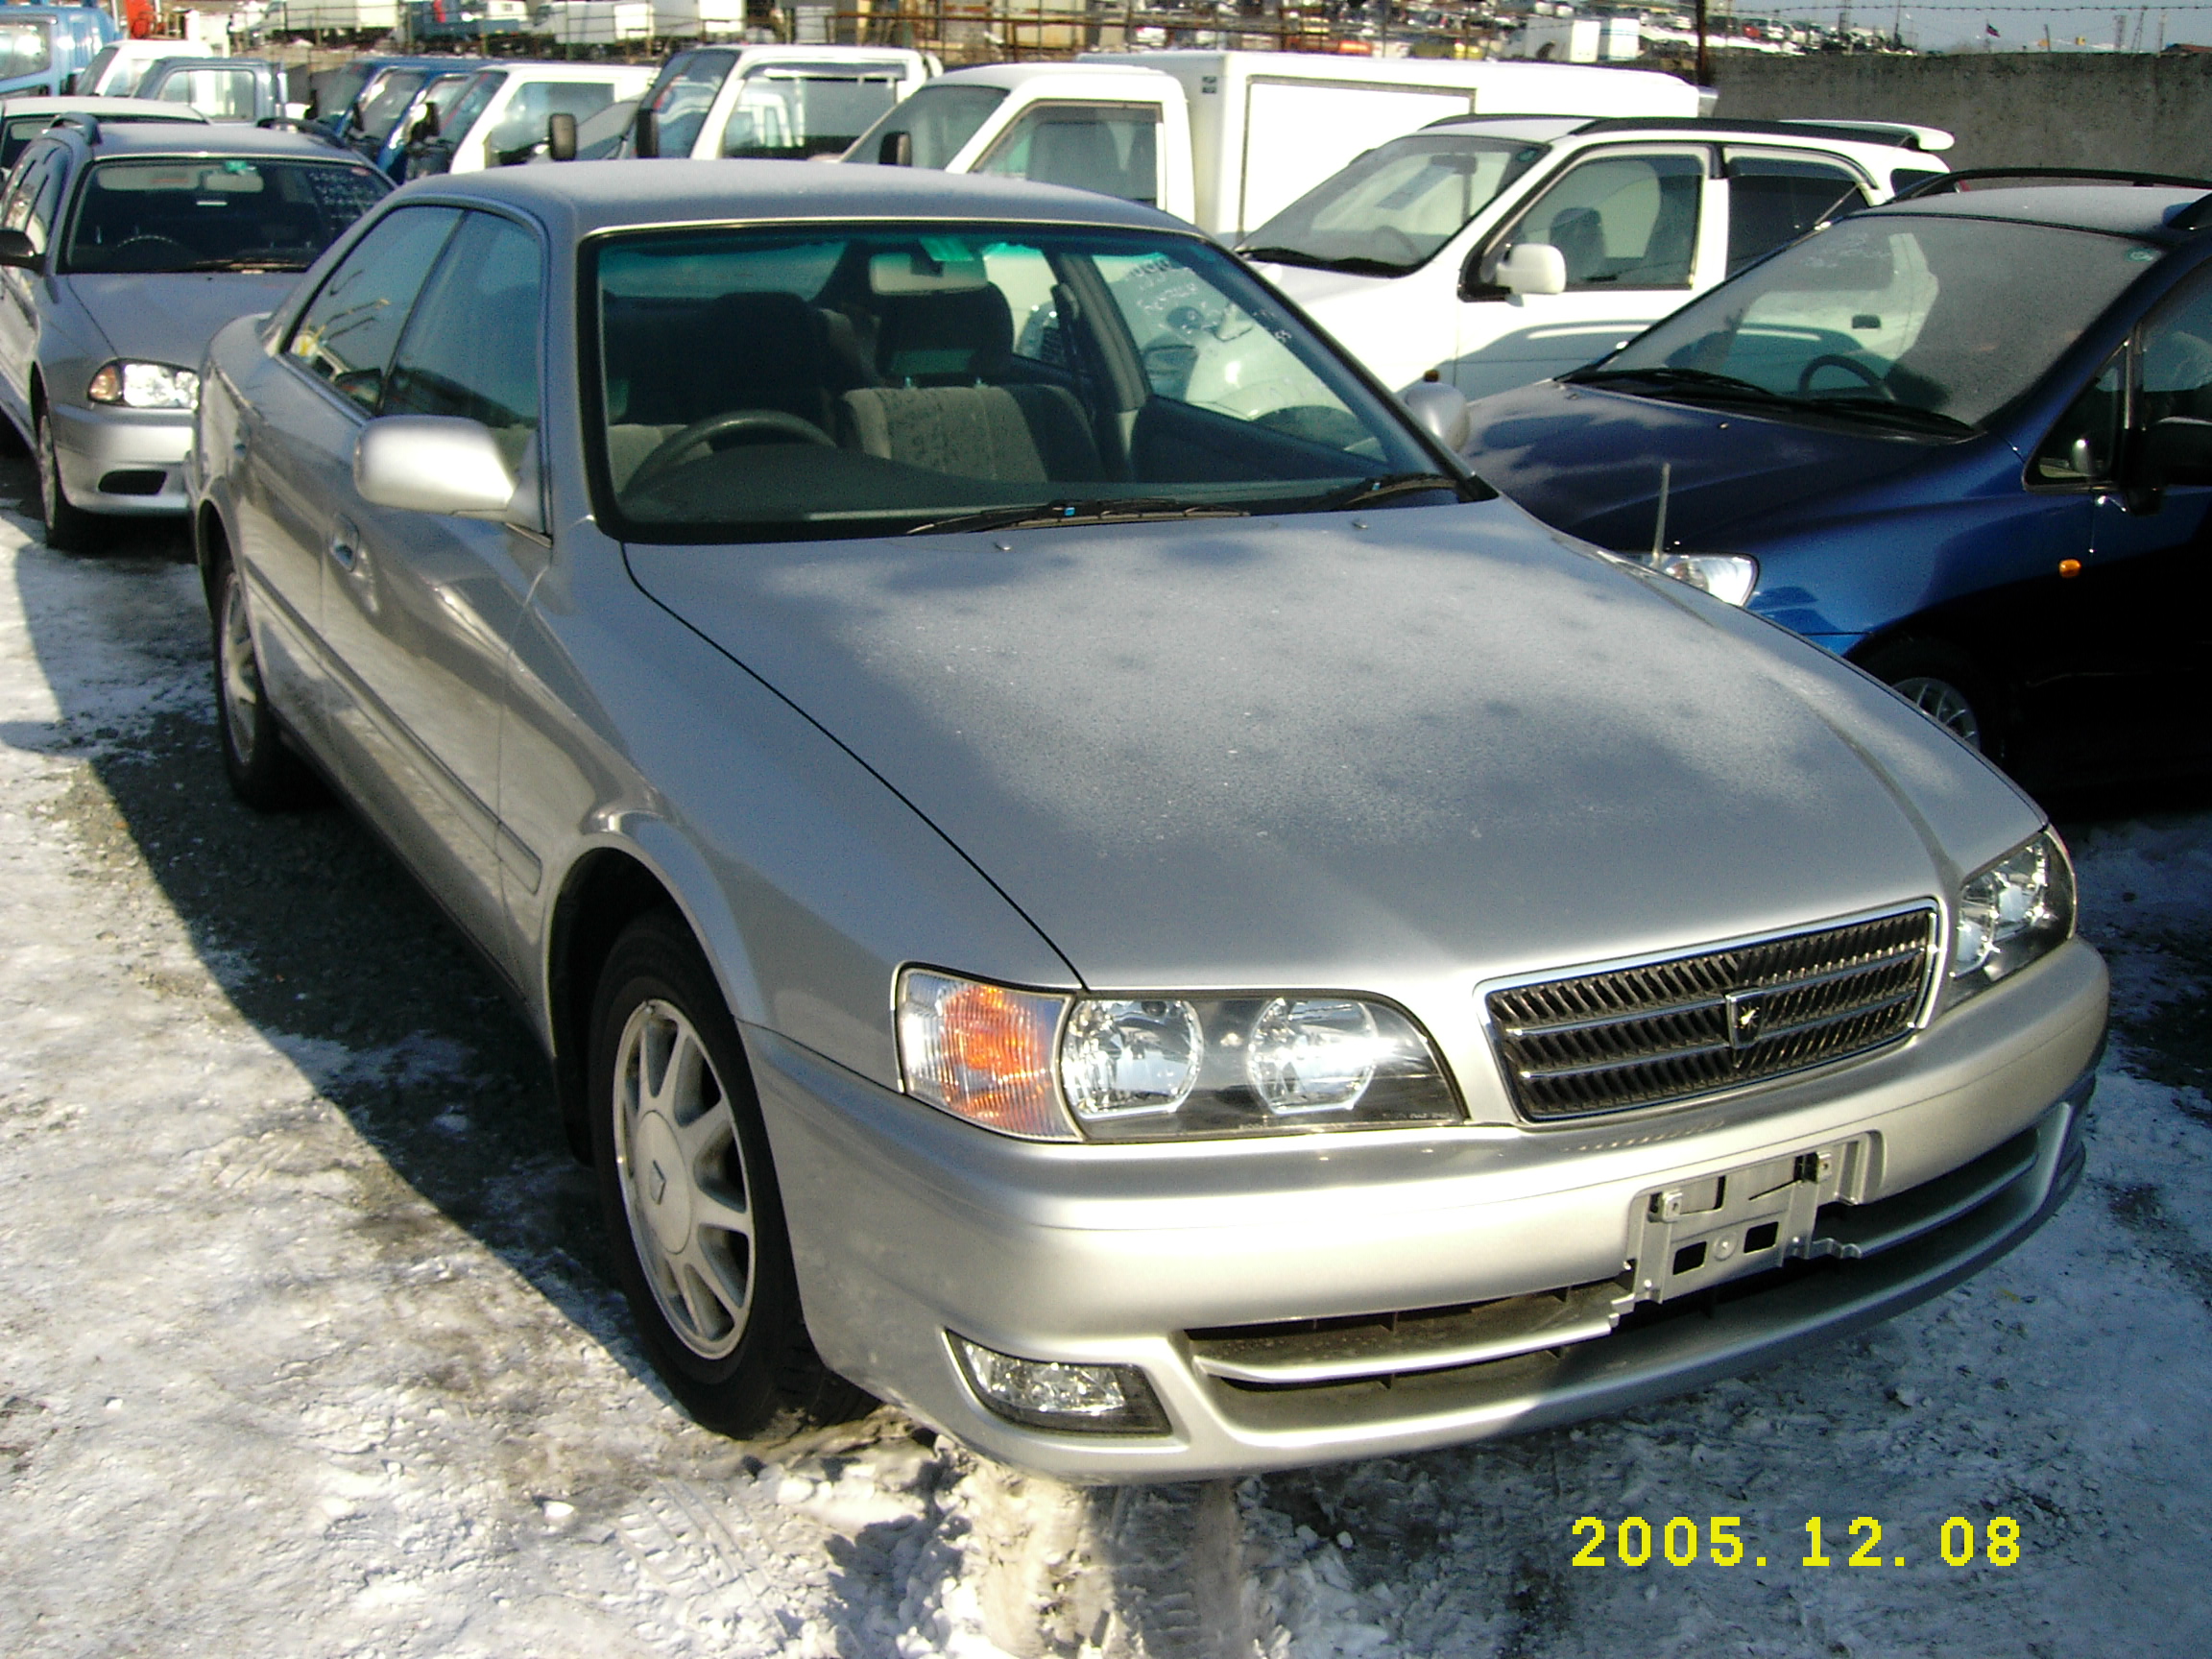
x,y
1494,251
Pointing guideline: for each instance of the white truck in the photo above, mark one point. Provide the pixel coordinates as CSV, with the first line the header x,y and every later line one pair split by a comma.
x,y
786,101
1224,139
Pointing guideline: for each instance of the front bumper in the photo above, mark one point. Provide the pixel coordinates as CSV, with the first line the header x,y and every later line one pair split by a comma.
x,y
907,1224
127,462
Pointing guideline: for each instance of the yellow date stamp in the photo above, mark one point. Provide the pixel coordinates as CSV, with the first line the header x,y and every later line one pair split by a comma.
x,y
1682,1541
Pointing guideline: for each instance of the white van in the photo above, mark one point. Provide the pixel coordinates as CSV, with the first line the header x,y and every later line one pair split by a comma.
x,y
1496,252
499,116
1224,139
774,101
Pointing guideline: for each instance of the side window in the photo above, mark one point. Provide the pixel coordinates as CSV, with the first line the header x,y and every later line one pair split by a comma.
x,y
522,124
1110,148
2082,446
23,189
347,333
1774,199
2173,368
1621,221
471,347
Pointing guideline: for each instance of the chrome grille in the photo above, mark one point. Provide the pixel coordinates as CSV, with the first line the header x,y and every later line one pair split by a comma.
x,y
1666,1031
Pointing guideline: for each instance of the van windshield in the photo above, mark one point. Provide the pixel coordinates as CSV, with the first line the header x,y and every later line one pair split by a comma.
x,y
26,46
886,379
940,119
1390,211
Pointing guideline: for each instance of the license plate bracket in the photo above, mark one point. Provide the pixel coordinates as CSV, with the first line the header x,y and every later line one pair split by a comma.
x,y
1688,1235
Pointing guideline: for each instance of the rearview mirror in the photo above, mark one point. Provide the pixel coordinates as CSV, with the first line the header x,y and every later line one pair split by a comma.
x,y
1532,268
432,463
16,250
2176,451
560,136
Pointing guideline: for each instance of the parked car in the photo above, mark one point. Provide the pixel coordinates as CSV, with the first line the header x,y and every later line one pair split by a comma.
x,y
785,103
1510,249
248,90
1076,872
23,119
337,99
425,114
1949,440
123,248
44,48
382,114
502,113
117,67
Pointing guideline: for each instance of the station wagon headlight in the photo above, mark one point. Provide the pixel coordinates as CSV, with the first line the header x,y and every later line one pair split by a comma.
x,y
1729,577
144,386
1164,1067
2010,912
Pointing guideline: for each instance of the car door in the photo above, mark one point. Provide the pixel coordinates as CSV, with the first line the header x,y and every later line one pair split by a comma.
x,y
33,194
420,618
2143,599
1776,196
1631,225
293,461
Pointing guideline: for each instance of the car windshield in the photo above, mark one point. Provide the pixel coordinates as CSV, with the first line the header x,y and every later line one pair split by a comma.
x,y
790,111
26,46
761,385
387,100
344,86
1934,322
1392,210
215,213
475,98
940,119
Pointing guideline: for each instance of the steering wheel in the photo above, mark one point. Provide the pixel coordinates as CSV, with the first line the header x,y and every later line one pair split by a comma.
x,y
676,445
1837,360
145,246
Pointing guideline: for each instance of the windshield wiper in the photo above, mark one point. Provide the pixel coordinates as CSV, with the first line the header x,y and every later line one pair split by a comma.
x,y
1352,264
1674,379
247,262
1367,490
1049,514
1883,411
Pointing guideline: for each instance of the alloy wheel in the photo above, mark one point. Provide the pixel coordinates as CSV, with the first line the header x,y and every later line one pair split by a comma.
x,y
241,679
1944,703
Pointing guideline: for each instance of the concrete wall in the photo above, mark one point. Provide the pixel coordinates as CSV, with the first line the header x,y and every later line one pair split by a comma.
x,y
2008,108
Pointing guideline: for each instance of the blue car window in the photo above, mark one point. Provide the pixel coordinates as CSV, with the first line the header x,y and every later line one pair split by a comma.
x,y
2083,446
26,46
2174,376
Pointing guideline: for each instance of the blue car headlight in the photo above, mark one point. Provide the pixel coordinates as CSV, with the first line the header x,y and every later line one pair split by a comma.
x,y
1729,577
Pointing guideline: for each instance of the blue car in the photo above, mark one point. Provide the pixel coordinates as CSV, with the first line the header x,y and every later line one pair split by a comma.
x,y
43,48
1963,440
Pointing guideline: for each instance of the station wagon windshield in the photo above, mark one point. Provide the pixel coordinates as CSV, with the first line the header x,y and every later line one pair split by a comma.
x,y
1393,208
215,213
1930,322
823,383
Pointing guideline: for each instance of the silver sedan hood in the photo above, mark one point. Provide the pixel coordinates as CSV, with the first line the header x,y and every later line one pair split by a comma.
x,y
169,316
1434,745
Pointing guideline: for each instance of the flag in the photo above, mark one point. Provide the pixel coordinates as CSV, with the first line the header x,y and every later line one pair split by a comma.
x,y
1990,30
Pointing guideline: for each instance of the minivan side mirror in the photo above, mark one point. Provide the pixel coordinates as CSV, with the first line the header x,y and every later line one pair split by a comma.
x,y
1532,268
895,149
16,250
560,136
2176,451
432,463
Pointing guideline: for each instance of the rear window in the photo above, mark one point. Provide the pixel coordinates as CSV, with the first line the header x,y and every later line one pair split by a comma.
x,y
215,213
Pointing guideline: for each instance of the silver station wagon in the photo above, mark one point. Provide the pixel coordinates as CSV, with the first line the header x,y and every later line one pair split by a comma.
x,y
1077,873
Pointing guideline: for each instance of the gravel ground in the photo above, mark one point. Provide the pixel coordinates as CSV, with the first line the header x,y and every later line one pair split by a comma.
x,y
307,1345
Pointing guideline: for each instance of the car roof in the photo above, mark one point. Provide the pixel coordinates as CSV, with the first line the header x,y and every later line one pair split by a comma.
x,y
2118,209
182,138
575,199
1880,135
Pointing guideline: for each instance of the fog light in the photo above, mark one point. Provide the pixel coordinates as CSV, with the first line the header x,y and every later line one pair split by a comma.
x,y
1053,1394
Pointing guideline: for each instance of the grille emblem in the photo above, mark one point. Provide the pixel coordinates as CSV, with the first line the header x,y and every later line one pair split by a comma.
x,y
1747,1019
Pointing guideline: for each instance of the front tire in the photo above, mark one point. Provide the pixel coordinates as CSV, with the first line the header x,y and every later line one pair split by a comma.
x,y
688,1192
1947,685
67,529
263,773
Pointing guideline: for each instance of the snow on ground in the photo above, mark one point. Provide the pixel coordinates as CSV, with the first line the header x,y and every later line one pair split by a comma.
x,y
306,1347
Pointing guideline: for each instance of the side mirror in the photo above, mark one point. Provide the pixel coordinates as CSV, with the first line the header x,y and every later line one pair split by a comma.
x,y
432,463
1532,268
895,149
645,135
2176,451
560,136
1440,411
16,249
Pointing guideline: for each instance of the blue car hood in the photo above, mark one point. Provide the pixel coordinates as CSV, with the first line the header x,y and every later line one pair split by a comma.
x,y
1588,461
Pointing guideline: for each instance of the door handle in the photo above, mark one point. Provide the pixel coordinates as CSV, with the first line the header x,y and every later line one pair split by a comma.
x,y
346,544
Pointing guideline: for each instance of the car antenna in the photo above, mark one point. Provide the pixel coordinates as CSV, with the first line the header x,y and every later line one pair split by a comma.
x,y
1659,524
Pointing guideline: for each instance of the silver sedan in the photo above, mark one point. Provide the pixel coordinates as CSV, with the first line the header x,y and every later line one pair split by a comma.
x,y
1076,872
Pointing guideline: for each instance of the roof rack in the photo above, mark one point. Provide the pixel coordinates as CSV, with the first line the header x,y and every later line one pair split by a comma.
x,y
1893,134
1945,183
84,120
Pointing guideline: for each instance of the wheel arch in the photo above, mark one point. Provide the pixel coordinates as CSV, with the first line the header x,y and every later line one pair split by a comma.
x,y
1929,636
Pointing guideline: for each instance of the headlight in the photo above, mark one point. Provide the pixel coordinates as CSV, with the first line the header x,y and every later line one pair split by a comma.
x,y
1729,577
1163,1068
2012,912
145,386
